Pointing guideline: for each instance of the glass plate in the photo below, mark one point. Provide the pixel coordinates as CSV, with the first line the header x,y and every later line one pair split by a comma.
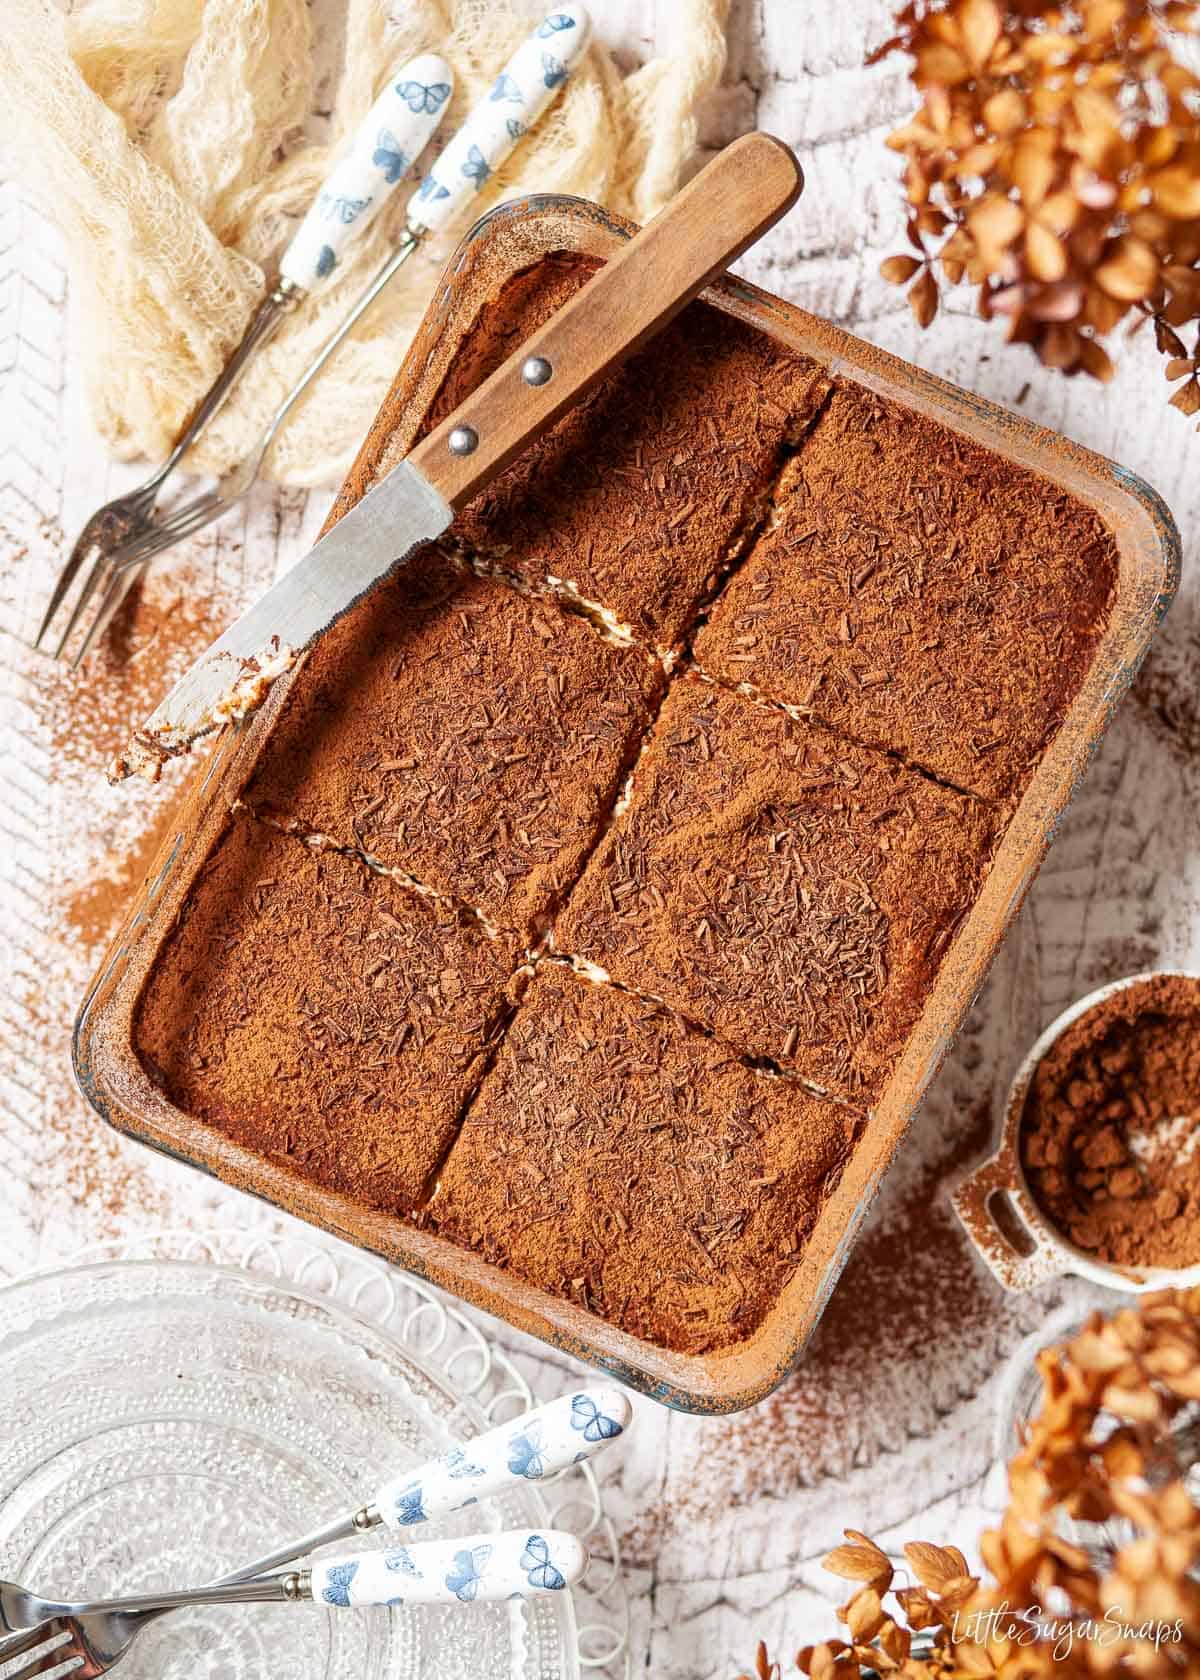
x,y
163,1418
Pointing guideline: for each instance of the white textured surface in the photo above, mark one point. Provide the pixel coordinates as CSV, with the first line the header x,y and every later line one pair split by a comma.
x,y
725,1521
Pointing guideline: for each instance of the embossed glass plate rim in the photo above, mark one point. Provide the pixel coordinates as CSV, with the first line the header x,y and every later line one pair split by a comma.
x,y
440,1338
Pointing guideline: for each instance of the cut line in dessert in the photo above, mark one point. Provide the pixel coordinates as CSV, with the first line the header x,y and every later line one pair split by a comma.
x,y
592,974
801,714
497,561
316,841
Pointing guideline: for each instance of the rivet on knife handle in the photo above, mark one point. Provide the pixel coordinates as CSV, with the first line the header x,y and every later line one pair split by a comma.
x,y
725,208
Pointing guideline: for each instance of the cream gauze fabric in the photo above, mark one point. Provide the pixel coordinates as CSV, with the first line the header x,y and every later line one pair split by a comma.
x,y
173,142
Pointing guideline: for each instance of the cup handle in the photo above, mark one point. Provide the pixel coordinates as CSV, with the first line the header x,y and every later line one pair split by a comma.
x,y
1017,1254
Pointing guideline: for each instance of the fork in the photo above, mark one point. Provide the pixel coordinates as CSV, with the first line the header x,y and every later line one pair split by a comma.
x,y
522,92
392,135
474,1569
531,1447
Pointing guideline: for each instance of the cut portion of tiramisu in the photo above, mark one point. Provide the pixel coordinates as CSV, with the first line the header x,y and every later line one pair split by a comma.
x,y
321,1016
919,594
621,1160
462,733
637,498
789,891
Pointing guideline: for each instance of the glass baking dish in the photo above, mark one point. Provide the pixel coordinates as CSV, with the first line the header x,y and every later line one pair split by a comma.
x,y
506,243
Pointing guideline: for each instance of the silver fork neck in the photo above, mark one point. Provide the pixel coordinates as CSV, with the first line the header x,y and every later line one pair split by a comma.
x,y
292,1585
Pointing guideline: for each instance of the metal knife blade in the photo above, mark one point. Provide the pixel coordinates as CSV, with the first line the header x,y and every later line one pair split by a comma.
x,y
395,517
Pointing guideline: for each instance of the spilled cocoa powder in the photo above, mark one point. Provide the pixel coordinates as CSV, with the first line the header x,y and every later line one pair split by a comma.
x,y
93,852
1110,1137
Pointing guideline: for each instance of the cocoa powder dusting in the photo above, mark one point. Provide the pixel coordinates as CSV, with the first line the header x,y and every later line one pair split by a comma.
x,y
321,1015
1110,1136
904,596
617,1158
789,891
457,730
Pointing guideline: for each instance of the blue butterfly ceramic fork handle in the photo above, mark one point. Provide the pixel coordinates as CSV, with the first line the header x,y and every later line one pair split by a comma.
x,y
480,1568
477,1569
533,1446
390,138
349,199
521,93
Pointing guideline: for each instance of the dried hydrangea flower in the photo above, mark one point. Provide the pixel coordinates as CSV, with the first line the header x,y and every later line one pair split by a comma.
x,y
1105,1453
1054,162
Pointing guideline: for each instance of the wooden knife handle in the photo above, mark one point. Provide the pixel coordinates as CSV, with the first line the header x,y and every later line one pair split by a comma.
x,y
722,210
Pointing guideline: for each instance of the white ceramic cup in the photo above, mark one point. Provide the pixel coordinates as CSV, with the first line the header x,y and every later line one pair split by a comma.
x,y
1015,1239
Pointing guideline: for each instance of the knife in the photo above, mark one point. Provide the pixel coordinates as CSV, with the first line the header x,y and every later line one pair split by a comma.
x,y
724,209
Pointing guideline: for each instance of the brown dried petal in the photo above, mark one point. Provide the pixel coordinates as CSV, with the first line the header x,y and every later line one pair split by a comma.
x,y
1168,340
994,223
1033,167
1004,112
1177,192
899,270
1059,346
919,1609
973,1659
1131,272
1095,360
895,1641
941,65
1045,253
923,296
863,1615
1092,1351
980,23
861,1561
1184,284
1187,398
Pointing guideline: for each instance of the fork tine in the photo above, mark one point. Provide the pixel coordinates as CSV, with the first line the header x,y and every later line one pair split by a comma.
x,y
100,566
61,1648
83,544
67,1653
130,561
15,1644
120,582
120,565
182,522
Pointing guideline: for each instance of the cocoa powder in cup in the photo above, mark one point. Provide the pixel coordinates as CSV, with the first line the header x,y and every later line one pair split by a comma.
x,y
1110,1135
